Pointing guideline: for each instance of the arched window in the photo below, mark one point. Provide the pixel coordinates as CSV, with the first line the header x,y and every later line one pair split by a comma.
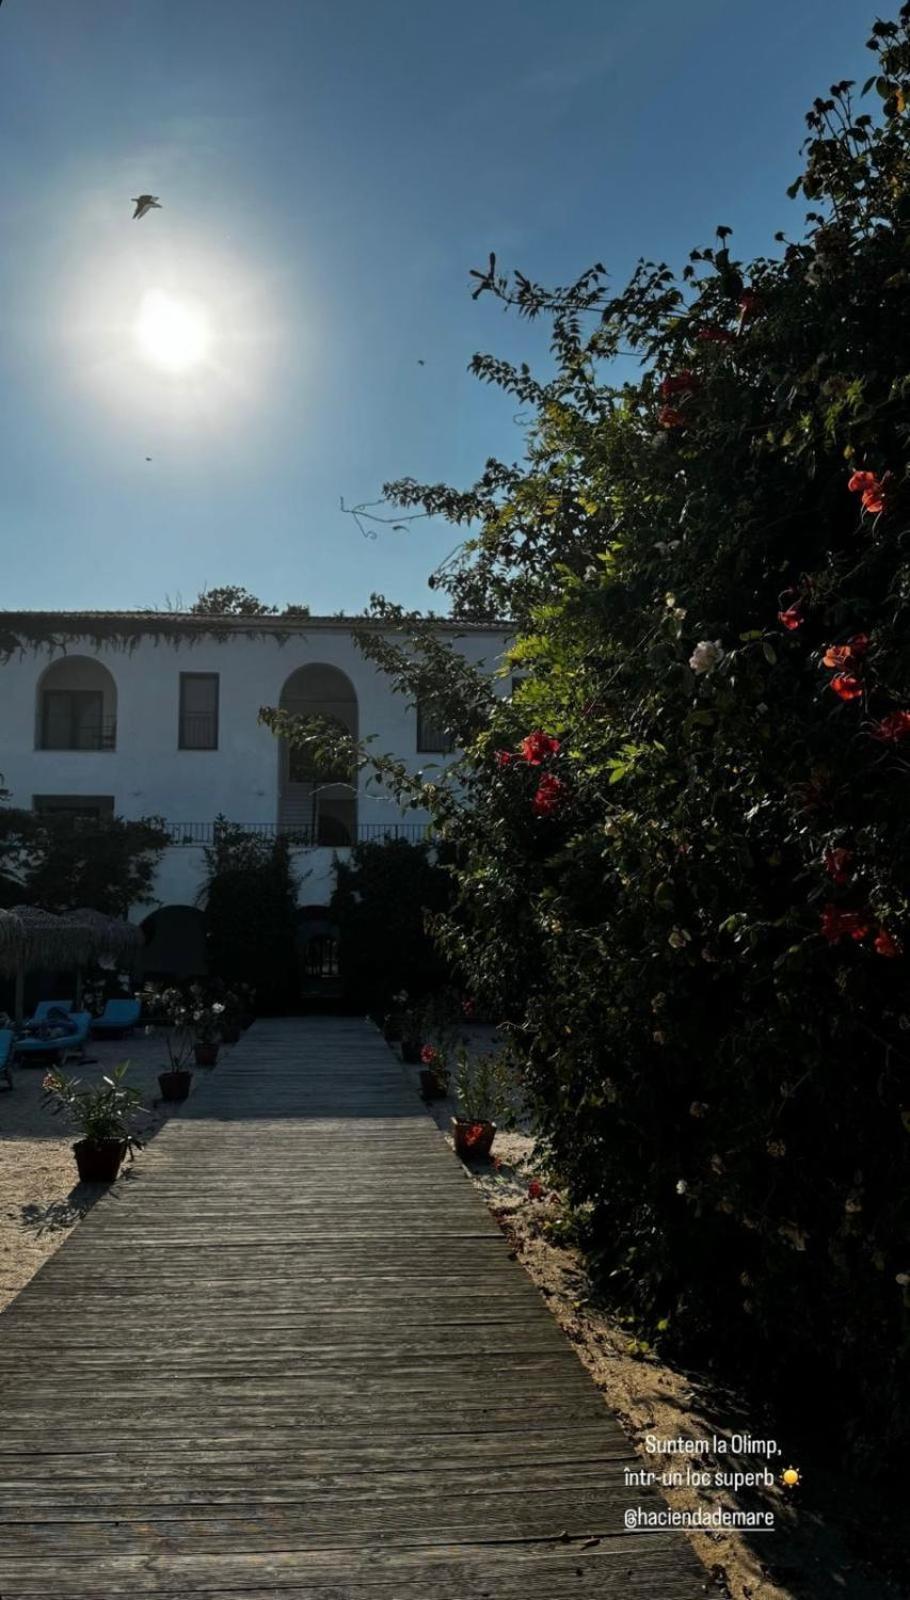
x,y
318,798
76,706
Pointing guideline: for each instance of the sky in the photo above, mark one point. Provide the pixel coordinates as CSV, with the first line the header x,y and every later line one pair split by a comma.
x,y
187,399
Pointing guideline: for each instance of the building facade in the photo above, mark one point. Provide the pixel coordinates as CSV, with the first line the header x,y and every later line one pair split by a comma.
x,y
166,725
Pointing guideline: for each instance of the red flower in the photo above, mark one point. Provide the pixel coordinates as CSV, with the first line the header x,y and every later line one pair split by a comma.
x,y
871,488
549,794
847,686
885,944
535,1189
682,383
429,1055
712,335
792,618
536,746
838,864
748,304
669,417
846,655
504,758
893,727
836,924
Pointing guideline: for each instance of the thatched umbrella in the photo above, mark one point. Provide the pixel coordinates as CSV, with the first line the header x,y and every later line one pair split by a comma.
x,y
32,938
111,937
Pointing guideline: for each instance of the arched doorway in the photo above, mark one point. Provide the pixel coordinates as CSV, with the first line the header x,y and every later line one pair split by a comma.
x,y
174,943
318,799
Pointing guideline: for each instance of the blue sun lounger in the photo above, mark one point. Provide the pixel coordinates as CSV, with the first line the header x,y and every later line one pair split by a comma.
x,y
118,1017
6,1055
60,1047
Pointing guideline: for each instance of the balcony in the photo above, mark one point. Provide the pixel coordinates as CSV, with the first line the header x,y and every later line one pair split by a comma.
x,y
301,837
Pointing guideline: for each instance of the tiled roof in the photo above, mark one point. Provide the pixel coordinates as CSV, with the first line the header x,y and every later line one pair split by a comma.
x,y
270,620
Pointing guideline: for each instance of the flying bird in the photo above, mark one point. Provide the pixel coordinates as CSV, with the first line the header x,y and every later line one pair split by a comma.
x,y
144,203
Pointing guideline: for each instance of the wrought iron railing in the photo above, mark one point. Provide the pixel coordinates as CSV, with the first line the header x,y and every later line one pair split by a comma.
x,y
305,837
94,735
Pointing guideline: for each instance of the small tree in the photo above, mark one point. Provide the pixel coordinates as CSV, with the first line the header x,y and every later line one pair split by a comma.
x,y
249,902
62,862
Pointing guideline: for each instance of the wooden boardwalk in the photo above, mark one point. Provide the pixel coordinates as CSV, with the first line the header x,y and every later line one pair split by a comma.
x,y
289,1358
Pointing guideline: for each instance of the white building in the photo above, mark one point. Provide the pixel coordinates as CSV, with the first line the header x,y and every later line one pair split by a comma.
x,y
165,724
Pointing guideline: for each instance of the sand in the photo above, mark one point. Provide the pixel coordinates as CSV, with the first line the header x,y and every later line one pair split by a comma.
x,y
41,1198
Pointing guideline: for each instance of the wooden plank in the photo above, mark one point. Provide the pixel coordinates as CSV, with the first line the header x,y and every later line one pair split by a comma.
x,y
289,1354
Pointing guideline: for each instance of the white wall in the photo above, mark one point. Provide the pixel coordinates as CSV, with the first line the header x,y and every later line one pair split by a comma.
x,y
148,775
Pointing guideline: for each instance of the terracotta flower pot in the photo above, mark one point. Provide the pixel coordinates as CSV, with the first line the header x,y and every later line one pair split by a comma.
x,y
410,1051
99,1161
432,1087
175,1085
206,1053
473,1140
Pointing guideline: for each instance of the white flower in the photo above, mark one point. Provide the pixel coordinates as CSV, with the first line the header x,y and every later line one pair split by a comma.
x,y
903,1278
706,655
148,1030
682,1186
217,1008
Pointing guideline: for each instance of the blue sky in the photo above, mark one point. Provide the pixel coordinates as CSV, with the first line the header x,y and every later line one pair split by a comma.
x,y
329,170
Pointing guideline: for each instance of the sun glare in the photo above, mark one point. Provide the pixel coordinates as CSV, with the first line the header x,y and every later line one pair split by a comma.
x,y
172,334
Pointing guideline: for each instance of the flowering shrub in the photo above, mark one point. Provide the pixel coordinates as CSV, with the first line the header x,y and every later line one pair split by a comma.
x,y
697,939
98,1114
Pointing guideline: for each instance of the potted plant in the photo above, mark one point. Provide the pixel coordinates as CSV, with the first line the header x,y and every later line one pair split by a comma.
x,y
394,1020
412,1034
434,1073
169,1005
481,1089
205,1026
102,1116
247,996
230,1022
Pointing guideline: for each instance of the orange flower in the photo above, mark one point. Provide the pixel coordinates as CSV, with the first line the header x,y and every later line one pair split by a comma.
x,y
847,686
846,655
861,482
872,489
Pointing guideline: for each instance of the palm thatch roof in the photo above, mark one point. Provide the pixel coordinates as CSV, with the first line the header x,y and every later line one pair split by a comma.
x,y
31,937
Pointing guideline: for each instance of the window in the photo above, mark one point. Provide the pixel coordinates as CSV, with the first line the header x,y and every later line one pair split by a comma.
x,y
198,711
73,719
431,739
78,806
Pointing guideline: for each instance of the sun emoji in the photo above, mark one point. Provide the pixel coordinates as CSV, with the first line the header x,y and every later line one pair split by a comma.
x,y
790,1477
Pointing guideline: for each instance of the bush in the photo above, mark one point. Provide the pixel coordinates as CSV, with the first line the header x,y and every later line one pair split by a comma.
x,y
381,896
683,868
249,902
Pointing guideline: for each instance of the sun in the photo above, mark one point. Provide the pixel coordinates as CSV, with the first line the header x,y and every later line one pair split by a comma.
x,y
172,334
